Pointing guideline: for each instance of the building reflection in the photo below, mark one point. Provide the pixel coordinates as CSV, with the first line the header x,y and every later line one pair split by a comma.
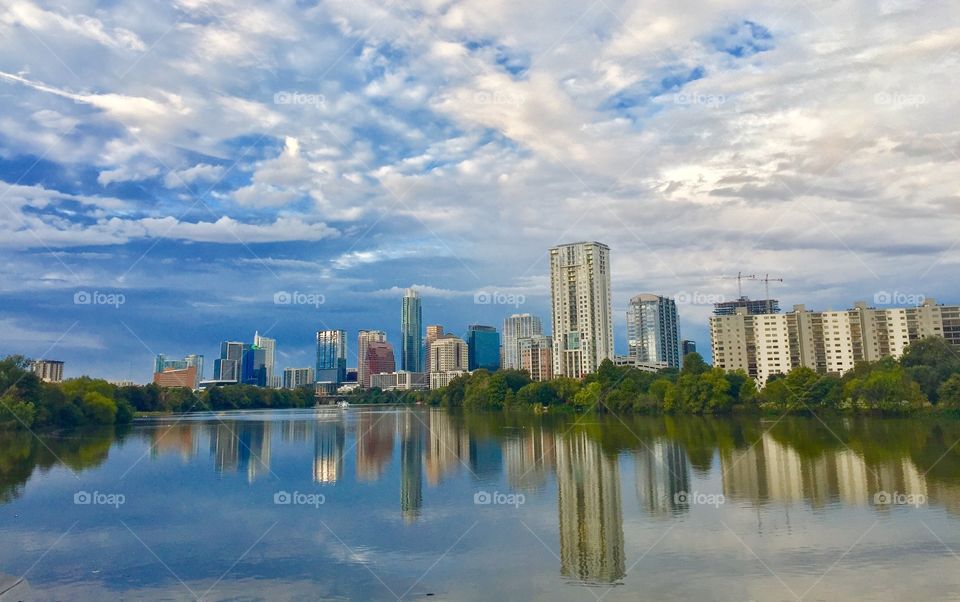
x,y
411,466
770,471
591,518
241,446
662,472
176,438
328,446
530,458
448,446
375,438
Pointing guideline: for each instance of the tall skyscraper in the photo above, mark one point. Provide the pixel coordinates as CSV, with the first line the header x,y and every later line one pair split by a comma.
x,y
411,331
379,360
269,347
294,378
331,356
227,366
516,327
363,339
195,361
434,332
253,366
483,347
653,332
447,360
582,311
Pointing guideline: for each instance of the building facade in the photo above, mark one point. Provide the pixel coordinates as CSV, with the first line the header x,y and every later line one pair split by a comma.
x,y
227,366
536,357
411,332
516,327
50,371
653,330
363,339
379,360
448,358
582,311
434,332
830,342
687,346
399,381
294,378
269,347
177,377
752,306
483,348
253,366
331,356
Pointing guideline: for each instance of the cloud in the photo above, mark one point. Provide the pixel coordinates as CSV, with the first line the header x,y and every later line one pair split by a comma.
x,y
201,172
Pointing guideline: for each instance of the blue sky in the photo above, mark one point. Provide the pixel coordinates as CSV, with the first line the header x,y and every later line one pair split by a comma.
x,y
198,157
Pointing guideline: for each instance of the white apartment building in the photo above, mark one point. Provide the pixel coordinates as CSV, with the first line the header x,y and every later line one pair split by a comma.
x,y
448,356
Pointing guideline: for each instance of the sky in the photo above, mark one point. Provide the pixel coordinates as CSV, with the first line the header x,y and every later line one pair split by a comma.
x,y
173,173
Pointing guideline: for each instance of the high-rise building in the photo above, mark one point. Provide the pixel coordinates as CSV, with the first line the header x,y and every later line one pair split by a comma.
x,y
379,359
483,347
253,366
331,356
269,347
50,371
434,332
227,366
294,378
752,306
653,332
687,346
536,357
411,332
830,342
363,339
582,311
196,361
447,360
516,327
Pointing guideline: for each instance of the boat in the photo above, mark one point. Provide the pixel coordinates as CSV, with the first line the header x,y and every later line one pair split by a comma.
x,y
342,404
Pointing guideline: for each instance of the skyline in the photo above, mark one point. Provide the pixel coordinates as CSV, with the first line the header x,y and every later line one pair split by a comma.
x,y
197,163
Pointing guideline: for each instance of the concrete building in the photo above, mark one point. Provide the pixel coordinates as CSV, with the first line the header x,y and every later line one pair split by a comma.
x,y
50,371
434,332
448,358
830,342
516,327
536,356
411,332
363,339
177,377
294,378
438,380
653,330
399,381
582,312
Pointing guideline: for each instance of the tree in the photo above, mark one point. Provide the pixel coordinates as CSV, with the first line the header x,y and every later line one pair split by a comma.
x,y
693,364
930,362
949,393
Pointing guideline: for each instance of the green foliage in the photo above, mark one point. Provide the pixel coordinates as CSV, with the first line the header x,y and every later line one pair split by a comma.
x,y
949,393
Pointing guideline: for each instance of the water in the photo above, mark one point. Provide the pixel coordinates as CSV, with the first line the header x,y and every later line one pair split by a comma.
x,y
383,503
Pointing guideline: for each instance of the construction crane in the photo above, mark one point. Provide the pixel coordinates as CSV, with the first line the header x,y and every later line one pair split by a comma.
x,y
740,277
766,283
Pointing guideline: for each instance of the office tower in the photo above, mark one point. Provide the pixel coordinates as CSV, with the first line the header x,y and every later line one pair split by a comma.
x,y
591,517
653,332
687,346
365,337
227,366
516,327
172,372
582,313
447,360
196,361
830,342
379,359
253,366
269,347
411,331
752,306
50,371
434,332
331,356
536,357
483,347
294,378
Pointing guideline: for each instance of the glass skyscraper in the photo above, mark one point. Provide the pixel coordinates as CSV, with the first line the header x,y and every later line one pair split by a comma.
x,y
411,332
653,334
483,347
331,356
253,366
515,328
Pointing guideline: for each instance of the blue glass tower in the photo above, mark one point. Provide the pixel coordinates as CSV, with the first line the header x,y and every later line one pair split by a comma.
x,y
331,356
483,347
411,332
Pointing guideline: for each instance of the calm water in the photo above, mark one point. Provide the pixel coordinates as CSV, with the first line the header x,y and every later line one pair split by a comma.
x,y
396,503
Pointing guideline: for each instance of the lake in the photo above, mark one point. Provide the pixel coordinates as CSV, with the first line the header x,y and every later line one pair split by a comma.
x,y
377,503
